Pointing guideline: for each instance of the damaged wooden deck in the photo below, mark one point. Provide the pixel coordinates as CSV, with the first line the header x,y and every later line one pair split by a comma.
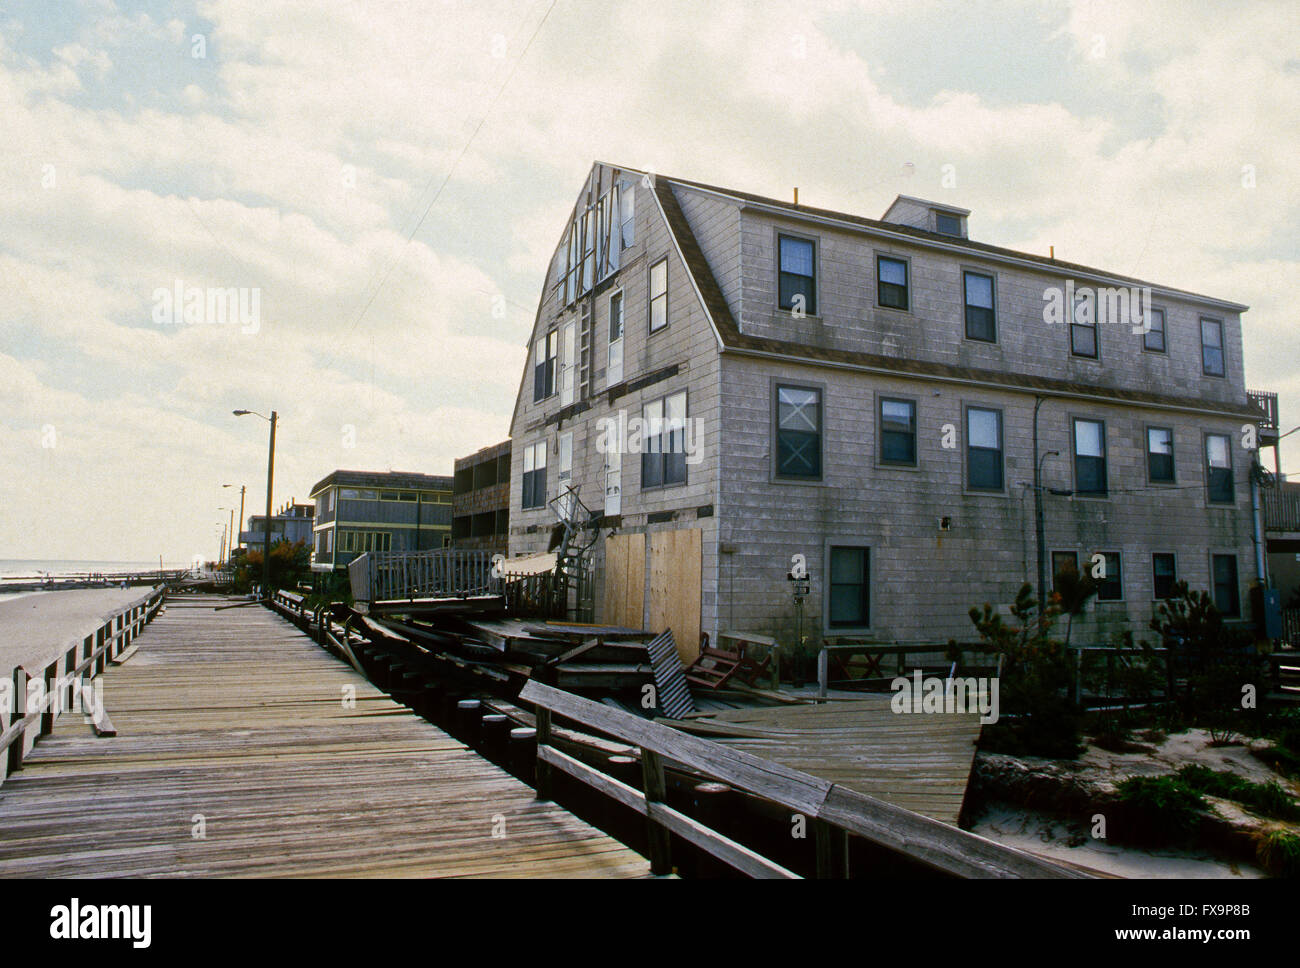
x,y
232,725
921,762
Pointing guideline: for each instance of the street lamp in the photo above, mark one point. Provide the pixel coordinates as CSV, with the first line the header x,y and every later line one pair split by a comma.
x,y
225,536
270,480
241,504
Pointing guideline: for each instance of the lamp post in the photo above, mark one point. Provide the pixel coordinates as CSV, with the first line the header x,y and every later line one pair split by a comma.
x,y
270,480
225,536
242,488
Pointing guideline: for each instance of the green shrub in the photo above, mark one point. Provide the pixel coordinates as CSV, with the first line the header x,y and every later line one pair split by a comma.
x,y
1158,809
1035,686
1265,799
1278,852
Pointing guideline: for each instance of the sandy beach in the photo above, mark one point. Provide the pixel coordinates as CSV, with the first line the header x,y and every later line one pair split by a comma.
x,y
35,628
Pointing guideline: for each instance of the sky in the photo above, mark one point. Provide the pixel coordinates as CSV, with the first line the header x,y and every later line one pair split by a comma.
x,y
382,185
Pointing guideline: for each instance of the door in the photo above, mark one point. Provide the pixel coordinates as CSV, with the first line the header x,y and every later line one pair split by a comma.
x,y
568,367
614,366
614,480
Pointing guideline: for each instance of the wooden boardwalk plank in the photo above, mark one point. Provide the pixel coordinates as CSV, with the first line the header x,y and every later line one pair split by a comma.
x,y
236,722
919,762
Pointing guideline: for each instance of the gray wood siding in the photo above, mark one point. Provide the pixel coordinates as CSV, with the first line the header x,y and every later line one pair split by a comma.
x,y
924,581
934,327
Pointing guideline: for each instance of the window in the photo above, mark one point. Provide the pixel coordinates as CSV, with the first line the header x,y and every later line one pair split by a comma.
x,y
588,251
891,282
796,276
798,432
614,366
946,224
1154,338
564,476
567,360
1083,326
1211,347
897,431
1110,584
1218,468
659,295
548,348
1089,456
1163,575
980,322
1160,455
848,604
1064,562
663,448
566,457
983,449
627,210
534,482
1225,585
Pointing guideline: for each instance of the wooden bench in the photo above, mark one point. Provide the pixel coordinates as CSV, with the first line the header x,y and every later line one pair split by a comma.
x,y
750,656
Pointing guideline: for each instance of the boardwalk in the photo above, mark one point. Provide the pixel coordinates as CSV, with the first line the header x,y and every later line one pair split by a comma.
x,y
232,725
919,762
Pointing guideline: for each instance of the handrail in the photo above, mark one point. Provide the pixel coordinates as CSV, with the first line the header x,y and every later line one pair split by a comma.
x,y
378,576
105,642
837,809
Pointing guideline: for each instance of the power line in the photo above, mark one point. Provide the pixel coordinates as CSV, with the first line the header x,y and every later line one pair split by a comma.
x,y
447,178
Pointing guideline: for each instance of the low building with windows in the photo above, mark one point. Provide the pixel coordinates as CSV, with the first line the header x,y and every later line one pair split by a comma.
x,y
292,523
743,388
480,503
360,511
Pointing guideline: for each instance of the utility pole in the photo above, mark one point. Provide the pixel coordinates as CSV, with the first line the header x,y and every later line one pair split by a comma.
x,y
270,482
1039,529
266,543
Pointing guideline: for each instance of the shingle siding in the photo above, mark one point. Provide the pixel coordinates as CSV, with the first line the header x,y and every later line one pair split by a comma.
x,y
923,580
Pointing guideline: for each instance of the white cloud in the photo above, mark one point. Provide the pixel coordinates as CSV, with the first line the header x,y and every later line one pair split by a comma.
x,y
300,156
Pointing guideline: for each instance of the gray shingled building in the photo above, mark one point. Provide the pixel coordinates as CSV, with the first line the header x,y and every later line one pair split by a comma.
x,y
862,393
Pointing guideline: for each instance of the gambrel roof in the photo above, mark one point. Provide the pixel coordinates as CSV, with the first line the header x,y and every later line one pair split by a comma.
x,y
731,338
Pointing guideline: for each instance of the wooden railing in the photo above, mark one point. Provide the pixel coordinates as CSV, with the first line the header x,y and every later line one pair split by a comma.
x,y
1281,508
386,576
31,701
1266,402
833,811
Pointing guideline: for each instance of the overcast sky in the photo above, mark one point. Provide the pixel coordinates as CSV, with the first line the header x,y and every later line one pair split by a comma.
x,y
387,173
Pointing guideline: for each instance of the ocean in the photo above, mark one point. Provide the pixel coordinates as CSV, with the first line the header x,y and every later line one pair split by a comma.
x,y
35,568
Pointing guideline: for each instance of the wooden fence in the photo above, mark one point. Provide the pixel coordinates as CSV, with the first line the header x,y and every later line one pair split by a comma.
x,y
32,701
833,811
387,576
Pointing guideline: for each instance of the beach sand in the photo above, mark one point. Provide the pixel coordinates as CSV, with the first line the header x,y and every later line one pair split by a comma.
x,y
34,629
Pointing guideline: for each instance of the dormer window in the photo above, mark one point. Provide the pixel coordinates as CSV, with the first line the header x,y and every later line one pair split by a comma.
x,y
946,223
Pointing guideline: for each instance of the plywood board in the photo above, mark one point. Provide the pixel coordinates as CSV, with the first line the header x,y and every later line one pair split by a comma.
x,y
625,580
675,558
